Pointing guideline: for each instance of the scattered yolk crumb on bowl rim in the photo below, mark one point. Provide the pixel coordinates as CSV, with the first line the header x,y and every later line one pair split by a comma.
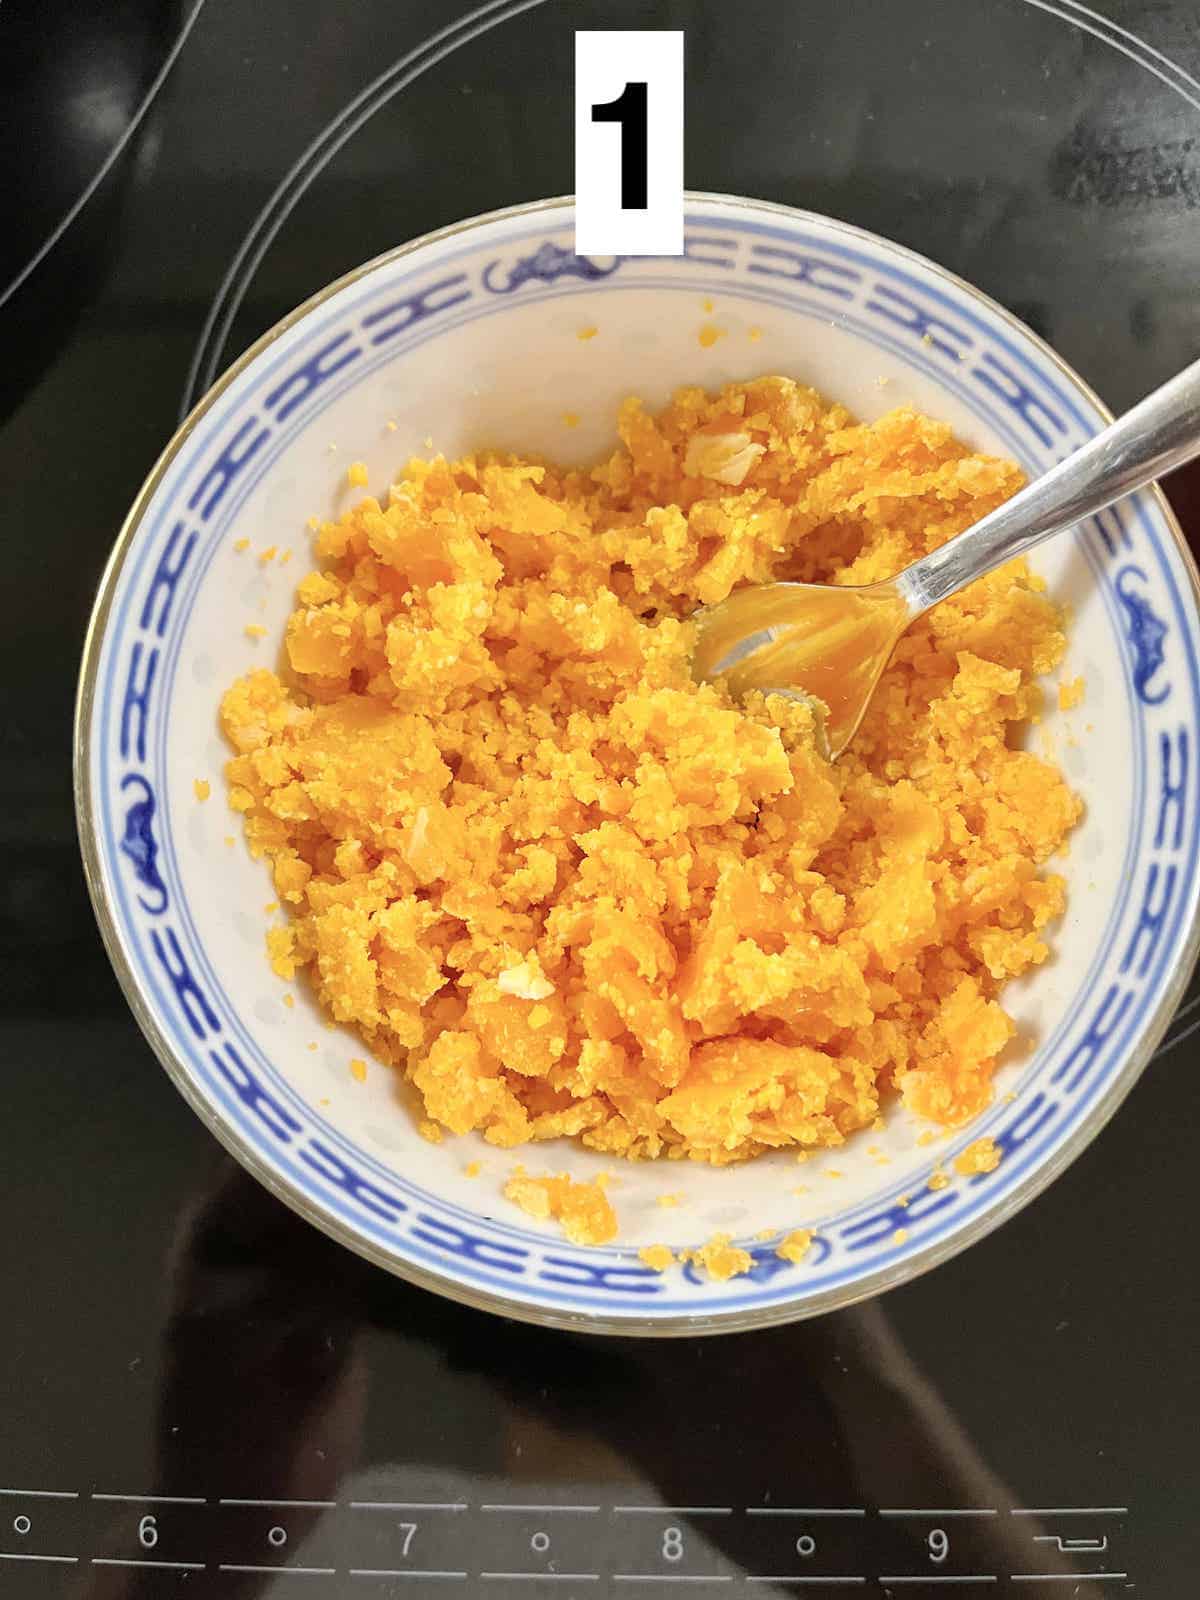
x,y
982,1156
583,1209
569,893
720,1258
1070,694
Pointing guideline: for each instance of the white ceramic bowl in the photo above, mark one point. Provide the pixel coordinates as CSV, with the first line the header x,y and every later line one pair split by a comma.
x,y
469,337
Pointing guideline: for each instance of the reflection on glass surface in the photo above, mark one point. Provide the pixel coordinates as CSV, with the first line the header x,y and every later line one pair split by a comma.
x,y
275,1346
1034,149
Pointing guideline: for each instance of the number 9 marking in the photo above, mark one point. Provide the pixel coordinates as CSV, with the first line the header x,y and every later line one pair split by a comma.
x,y
939,1546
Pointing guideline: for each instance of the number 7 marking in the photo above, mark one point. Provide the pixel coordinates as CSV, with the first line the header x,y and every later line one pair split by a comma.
x,y
407,1529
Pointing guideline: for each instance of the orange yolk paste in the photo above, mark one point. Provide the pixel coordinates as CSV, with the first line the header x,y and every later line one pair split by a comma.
x,y
566,891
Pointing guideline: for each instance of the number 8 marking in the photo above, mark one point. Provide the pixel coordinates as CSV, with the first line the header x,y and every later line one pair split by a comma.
x,y
672,1545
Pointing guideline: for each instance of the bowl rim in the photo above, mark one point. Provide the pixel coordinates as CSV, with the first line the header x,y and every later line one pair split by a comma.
x,y
512,1306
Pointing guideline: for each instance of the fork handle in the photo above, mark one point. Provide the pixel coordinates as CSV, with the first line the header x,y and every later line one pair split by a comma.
x,y
1161,432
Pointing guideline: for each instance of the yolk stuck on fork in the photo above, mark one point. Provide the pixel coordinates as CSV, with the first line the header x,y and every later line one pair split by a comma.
x,y
827,642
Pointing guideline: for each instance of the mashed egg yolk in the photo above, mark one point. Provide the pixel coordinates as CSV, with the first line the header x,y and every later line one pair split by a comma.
x,y
569,893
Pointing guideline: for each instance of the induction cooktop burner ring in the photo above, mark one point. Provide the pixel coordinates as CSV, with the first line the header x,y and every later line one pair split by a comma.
x,y
110,160
433,49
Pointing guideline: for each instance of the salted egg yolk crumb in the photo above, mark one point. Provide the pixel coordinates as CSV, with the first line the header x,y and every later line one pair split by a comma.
x,y
796,1246
982,1156
657,1256
1070,694
719,1258
201,788
569,893
583,1209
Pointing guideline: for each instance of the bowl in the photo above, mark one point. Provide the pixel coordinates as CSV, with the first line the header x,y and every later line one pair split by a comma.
x,y
468,337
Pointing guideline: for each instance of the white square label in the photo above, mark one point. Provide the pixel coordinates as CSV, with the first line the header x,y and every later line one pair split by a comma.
x,y
629,143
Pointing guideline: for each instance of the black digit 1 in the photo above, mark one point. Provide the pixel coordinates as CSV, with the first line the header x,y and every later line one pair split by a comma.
x,y
629,109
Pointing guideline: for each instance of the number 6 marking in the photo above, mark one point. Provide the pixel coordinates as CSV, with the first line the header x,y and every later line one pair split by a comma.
x,y
630,109
148,1533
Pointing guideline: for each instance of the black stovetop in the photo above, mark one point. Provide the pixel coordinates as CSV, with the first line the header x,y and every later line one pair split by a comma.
x,y
168,1330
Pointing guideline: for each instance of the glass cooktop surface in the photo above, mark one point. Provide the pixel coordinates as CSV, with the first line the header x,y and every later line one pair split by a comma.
x,y
199,1393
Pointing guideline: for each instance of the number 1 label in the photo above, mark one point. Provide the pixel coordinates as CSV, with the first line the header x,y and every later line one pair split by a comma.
x,y
629,143
629,109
